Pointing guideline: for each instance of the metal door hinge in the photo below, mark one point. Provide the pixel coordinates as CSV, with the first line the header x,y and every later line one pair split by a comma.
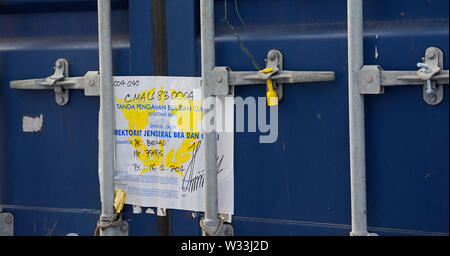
x,y
60,82
373,78
6,224
223,78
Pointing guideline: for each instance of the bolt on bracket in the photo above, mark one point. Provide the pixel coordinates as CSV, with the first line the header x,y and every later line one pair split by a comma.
x,y
60,82
223,78
224,229
120,227
6,224
373,78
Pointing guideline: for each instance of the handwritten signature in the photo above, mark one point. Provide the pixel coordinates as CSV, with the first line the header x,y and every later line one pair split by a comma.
x,y
191,183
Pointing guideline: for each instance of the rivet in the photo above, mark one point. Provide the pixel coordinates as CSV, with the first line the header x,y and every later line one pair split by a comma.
x,y
8,219
272,56
60,99
219,79
431,54
369,78
91,82
431,97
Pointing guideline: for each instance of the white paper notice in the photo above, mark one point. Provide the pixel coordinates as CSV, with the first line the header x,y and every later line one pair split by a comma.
x,y
159,160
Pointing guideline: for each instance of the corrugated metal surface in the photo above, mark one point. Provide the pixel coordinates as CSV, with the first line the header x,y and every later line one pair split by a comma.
x,y
296,186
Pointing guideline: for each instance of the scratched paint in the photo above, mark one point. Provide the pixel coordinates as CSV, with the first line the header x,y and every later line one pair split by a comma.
x,y
32,124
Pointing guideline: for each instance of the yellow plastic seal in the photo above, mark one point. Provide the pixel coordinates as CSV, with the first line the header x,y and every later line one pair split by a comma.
x,y
272,97
266,70
119,200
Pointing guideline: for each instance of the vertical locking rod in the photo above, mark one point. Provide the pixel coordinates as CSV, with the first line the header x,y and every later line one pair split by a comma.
x,y
356,119
106,117
211,220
